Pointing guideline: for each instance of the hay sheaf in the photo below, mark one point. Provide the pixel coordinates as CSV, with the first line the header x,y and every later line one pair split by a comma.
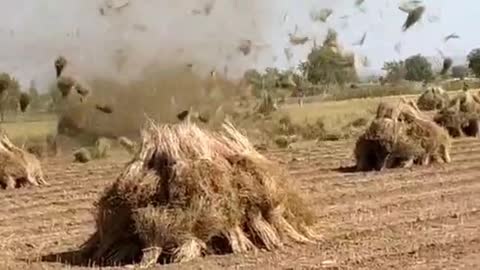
x,y
462,117
434,98
400,136
190,192
18,168
385,144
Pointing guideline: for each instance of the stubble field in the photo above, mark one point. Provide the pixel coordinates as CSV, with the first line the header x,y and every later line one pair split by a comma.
x,y
423,218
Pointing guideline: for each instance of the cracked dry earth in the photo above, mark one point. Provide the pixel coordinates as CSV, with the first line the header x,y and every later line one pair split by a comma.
x,y
420,218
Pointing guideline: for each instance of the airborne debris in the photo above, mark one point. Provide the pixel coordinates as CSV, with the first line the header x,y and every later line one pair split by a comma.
x,y
24,101
140,27
104,108
413,17
117,4
182,115
409,6
451,36
245,46
294,40
207,9
288,53
321,15
447,64
398,47
433,18
361,41
359,2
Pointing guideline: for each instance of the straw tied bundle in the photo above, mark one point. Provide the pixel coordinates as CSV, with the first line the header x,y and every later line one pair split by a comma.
x,y
189,193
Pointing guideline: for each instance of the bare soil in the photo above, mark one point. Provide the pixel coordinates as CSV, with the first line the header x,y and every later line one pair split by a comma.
x,y
419,218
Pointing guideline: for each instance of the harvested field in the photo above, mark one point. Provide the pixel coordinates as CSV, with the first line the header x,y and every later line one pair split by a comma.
x,y
423,218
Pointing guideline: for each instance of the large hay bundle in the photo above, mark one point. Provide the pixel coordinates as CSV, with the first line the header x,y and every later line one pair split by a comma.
x,y
385,144
189,192
399,137
18,168
434,98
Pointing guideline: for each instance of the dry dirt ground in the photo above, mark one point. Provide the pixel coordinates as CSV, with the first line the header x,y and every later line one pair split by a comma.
x,y
423,218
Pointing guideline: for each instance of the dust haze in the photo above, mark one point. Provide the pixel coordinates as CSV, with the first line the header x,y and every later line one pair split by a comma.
x,y
123,41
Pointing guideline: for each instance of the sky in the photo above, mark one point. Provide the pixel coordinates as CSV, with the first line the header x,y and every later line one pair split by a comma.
x,y
34,32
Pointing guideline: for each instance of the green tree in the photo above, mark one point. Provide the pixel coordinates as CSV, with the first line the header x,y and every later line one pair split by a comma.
x,y
418,68
474,61
395,70
326,65
459,72
9,96
36,102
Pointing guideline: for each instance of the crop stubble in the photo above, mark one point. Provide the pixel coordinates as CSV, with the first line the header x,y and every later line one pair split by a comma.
x,y
420,218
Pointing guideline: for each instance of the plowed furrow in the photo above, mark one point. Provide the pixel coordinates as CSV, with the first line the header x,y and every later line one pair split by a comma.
x,y
357,220
64,186
374,206
408,239
342,194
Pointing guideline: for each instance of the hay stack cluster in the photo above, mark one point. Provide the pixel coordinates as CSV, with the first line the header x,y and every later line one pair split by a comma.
x,y
189,192
434,98
18,168
462,117
401,136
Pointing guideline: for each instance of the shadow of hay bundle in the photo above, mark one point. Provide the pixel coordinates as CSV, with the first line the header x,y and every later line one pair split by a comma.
x,y
434,98
18,168
190,192
400,136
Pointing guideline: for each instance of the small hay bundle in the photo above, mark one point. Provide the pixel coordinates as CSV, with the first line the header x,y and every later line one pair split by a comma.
x,y
434,98
102,148
129,145
82,155
188,193
18,168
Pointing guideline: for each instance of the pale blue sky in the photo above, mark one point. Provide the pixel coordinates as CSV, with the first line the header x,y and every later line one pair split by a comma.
x,y
34,32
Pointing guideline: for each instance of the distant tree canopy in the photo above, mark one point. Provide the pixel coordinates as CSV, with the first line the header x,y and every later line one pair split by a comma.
x,y
474,61
9,94
272,78
418,68
459,72
326,64
395,70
